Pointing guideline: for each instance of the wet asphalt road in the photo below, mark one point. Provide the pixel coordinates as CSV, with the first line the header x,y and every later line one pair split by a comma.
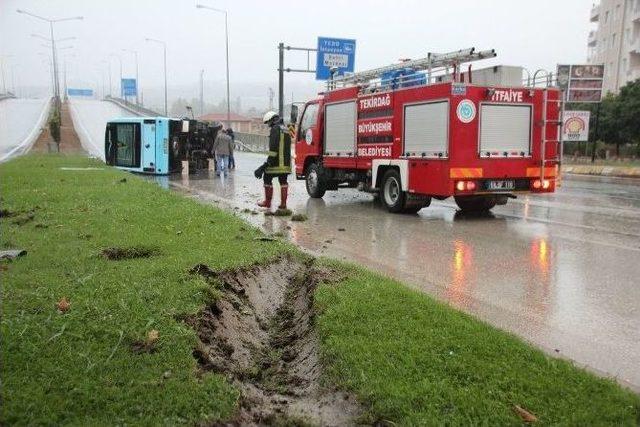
x,y
18,118
560,270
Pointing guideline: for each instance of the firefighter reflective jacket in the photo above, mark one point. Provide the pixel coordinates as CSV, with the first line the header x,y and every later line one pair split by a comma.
x,y
279,160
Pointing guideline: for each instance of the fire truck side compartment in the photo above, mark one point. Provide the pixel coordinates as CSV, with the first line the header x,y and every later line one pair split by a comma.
x,y
340,129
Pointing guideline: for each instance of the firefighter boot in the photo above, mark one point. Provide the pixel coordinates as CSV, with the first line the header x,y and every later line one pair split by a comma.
x,y
268,194
284,190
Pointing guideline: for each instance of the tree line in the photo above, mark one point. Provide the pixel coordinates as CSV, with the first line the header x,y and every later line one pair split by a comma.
x,y
619,121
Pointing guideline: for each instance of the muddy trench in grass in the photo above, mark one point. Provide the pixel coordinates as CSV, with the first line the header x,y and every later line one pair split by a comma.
x,y
260,333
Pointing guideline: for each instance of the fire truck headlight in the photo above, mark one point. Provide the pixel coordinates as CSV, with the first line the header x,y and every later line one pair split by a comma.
x,y
471,185
460,186
537,184
546,184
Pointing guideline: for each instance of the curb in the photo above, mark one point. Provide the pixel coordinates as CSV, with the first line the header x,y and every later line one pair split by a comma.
x,y
621,171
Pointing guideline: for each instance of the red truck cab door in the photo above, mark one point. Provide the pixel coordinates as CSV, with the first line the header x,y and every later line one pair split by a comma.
x,y
308,136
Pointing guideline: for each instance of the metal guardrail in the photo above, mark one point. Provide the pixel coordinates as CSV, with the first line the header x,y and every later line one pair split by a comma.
x,y
133,108
252,142
4,96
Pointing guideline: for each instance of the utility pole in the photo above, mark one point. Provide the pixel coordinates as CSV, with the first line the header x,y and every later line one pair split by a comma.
x,y
280,79
164,47
226,36
201,92
271,95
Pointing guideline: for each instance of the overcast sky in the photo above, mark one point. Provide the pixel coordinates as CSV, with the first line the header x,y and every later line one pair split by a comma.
x,y
535,35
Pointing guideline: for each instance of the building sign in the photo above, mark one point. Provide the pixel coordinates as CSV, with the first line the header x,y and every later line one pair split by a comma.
x,y
129,87
575,126
581,83
338,53
79,92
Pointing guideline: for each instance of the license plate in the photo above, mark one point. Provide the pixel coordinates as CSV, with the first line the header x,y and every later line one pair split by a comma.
x,y
501,185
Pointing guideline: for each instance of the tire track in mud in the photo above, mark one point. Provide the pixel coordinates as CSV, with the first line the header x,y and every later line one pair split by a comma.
x,y
260,334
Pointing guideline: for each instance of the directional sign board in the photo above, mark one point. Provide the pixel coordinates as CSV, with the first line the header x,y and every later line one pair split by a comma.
x,y
339,53
129,87
575,126
79,92
581,83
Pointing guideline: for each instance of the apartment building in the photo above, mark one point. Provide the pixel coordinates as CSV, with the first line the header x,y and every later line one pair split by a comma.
x,y
615,42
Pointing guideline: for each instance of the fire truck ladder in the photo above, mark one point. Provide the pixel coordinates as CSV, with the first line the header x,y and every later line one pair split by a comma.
x,y
558,139
434,62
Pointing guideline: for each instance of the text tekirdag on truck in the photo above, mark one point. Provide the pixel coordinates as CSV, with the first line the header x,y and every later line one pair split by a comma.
x,y
410,132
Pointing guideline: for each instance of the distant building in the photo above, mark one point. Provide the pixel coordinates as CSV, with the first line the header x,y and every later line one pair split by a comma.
x,y
616,41
258,127
238,123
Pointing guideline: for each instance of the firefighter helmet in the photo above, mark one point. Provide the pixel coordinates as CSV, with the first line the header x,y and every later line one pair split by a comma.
x,y
269,116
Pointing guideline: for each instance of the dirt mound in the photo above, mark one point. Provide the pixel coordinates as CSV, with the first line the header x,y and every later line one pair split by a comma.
x,y
261,334
119,253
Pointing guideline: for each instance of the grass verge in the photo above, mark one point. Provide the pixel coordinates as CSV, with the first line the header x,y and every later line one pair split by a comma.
x,y
94,337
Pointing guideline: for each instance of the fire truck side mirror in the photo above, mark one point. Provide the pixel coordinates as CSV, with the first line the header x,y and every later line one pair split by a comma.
x,y
294,114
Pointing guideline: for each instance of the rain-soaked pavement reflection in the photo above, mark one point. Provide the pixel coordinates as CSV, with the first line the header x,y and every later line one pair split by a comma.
x,y
561,271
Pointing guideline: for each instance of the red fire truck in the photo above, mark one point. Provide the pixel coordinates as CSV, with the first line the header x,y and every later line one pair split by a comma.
x,y
417,130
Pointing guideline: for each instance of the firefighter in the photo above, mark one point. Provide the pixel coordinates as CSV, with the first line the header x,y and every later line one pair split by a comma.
x,y
278,164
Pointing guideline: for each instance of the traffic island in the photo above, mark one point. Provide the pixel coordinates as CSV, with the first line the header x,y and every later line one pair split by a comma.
x,y
134,305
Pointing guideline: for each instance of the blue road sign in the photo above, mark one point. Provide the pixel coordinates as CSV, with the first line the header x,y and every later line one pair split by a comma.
x,y
339,53
129,87
79,92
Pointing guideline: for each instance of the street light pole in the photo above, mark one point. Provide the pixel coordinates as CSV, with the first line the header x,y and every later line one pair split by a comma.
x,y
135,53
164,46
202,92
65,72
3,60
226,36
53,46
120,61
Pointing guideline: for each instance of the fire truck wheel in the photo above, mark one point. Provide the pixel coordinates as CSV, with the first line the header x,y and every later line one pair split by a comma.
x,y
475,203
316,187
391,194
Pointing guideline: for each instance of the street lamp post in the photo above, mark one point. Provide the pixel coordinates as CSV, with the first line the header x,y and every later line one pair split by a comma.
x,y
56,49
65,72
226,36
164,46
135,53
49,62
53,46
3,59
120,61
202,92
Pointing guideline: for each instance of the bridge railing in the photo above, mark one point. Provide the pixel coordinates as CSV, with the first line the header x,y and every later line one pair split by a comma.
x,y
133,108
7,95
252,142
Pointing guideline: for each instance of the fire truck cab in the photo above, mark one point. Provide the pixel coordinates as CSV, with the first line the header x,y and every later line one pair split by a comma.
x,y
400,132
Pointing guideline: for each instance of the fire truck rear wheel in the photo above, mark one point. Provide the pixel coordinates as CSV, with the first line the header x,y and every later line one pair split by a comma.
x,y
316,186
391,192
475,203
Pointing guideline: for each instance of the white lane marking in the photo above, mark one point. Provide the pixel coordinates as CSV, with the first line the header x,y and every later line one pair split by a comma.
x,y
81,169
